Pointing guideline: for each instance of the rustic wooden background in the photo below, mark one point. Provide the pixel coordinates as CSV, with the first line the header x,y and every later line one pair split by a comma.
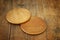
x,y
48,10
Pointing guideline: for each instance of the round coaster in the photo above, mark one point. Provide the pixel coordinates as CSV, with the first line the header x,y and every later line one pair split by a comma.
x,y
34,26
18,15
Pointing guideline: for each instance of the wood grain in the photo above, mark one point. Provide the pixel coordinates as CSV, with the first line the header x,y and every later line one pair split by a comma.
x,y
48,10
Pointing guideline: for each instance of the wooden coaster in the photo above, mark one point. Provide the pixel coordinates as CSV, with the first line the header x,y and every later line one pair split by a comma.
x,y
18,15
34,26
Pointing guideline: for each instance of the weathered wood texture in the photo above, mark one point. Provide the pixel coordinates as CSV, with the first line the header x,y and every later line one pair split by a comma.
x,y
48,10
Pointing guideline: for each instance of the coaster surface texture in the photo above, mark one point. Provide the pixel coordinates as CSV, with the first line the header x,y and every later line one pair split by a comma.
x,y
18,15
34,26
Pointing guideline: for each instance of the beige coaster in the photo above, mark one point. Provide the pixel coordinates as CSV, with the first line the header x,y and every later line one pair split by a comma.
x,y
34,26
18,15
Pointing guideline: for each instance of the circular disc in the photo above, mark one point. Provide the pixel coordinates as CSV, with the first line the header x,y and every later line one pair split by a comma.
x,y
18,15
34,26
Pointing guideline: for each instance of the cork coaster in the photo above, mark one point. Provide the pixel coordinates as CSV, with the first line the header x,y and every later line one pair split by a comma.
x,y
18,15
34,26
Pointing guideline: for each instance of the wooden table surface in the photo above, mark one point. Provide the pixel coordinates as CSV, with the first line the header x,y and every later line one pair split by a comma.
x,y
48,10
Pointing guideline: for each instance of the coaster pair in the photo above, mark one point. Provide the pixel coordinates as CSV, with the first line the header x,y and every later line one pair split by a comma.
x,y
29,24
